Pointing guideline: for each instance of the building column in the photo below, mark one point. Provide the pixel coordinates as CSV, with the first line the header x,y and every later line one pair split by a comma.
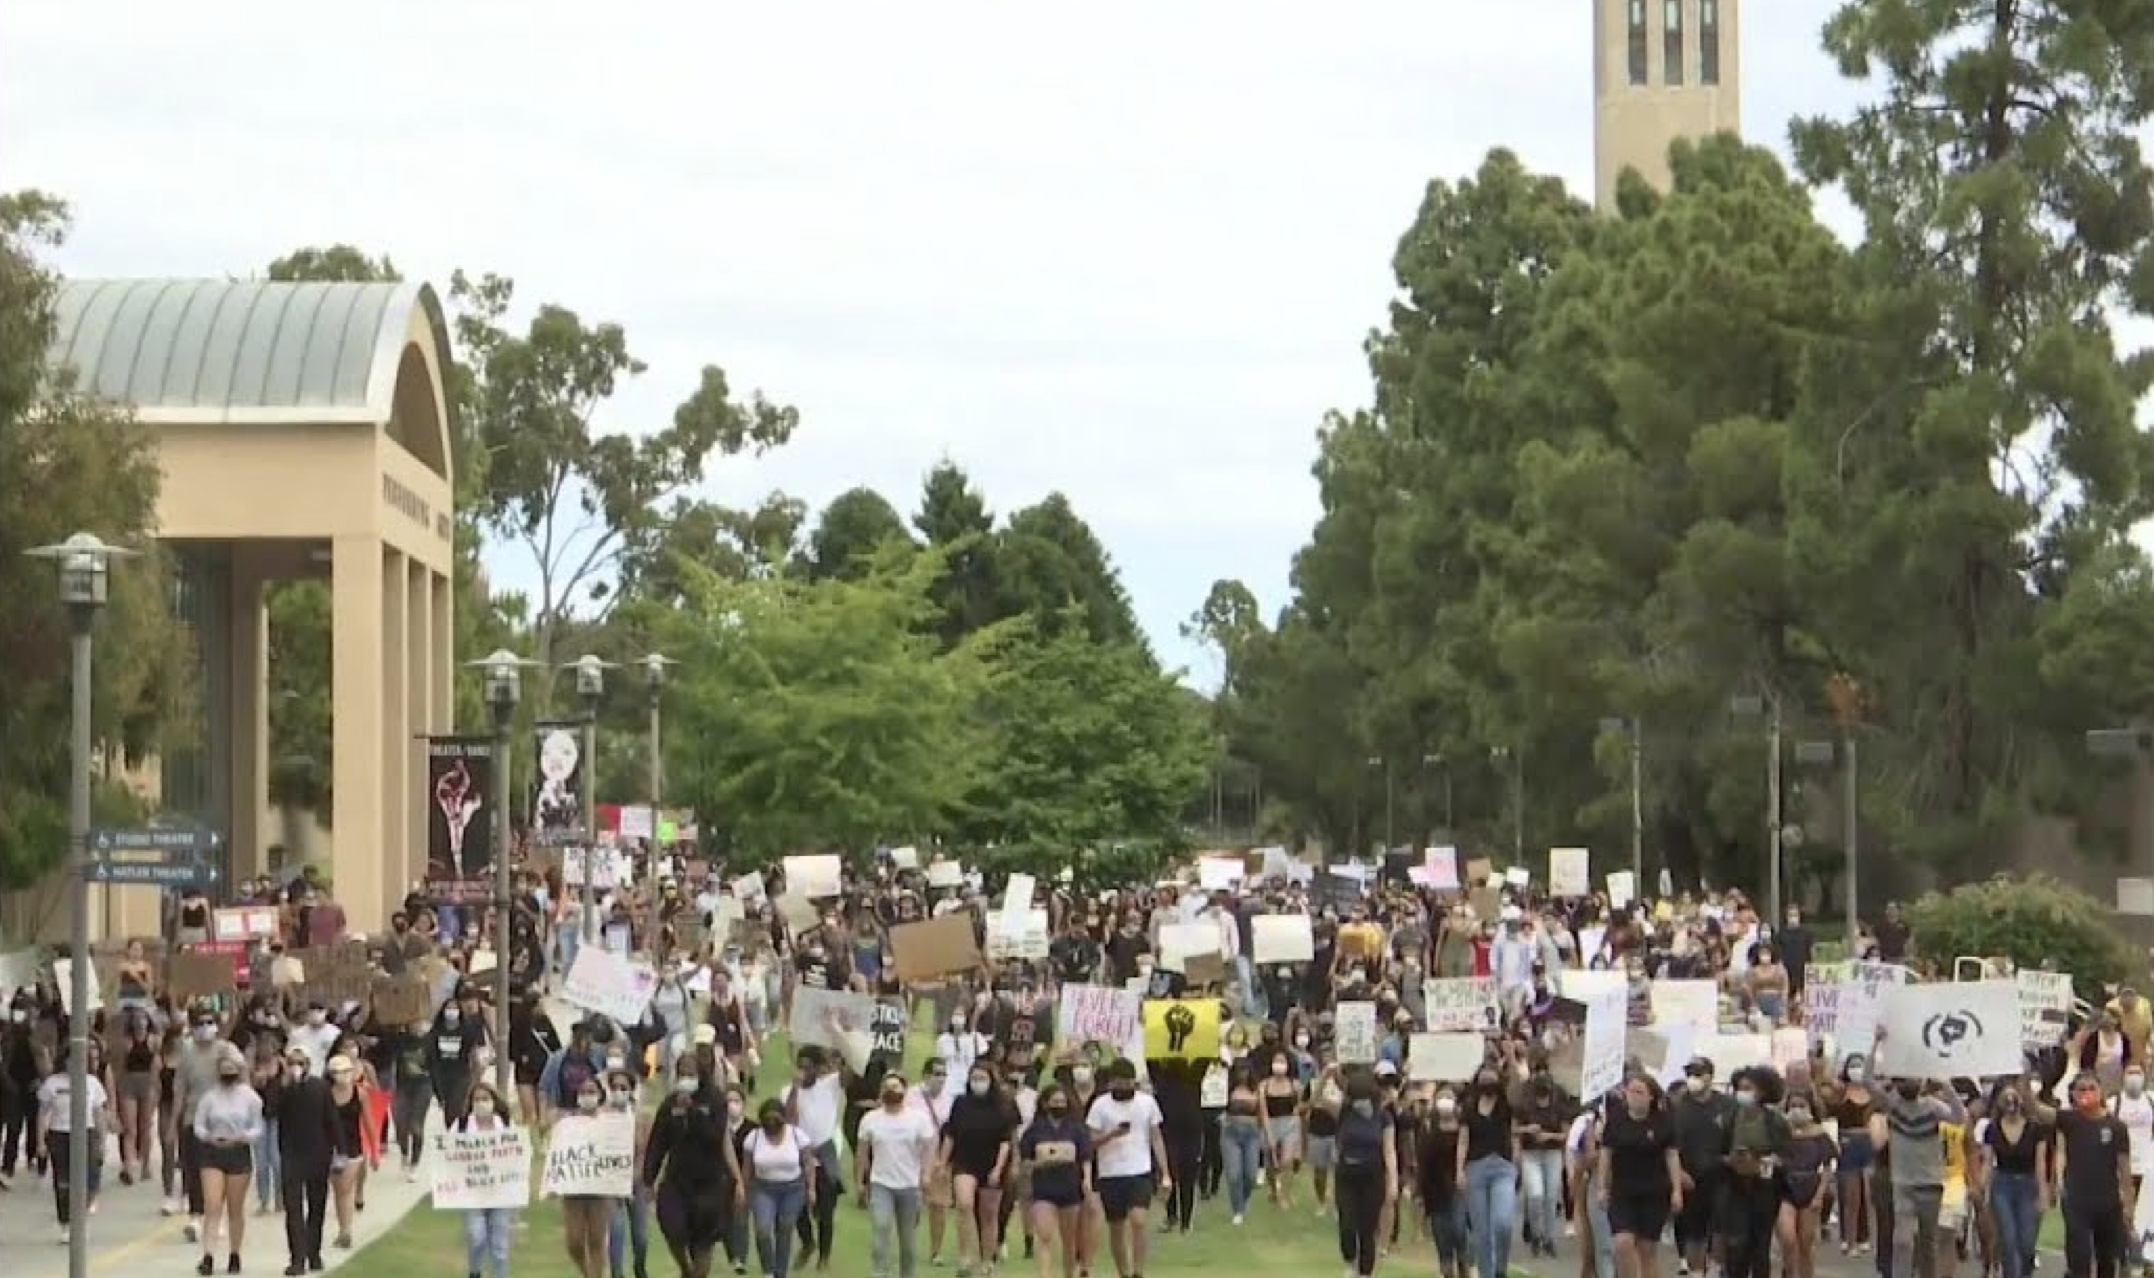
x,y
443,646
357,719
397,747
249,761
419,676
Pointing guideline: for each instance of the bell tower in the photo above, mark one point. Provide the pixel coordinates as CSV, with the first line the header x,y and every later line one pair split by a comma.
x,y
1662,70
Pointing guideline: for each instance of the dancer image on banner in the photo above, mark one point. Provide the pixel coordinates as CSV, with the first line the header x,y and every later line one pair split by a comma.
x,y
459,842
557,794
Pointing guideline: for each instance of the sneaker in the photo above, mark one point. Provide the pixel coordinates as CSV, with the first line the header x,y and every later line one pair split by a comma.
x,y
193,1233
66,1235
1682,1269
170,1207
1237,1220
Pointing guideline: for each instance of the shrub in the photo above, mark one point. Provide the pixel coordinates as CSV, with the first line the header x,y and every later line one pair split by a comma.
x,y
2031,921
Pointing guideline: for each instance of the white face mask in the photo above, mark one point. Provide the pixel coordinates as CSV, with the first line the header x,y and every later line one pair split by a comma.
x,y
2135,1083
482,1108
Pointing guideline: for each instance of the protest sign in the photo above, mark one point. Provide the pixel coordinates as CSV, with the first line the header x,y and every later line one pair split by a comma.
x,y
1022,939
1182,1029
936,947
1098,1014
1692,1003
1445,1058
1570,872
1179,942
886,1032
814,877
1461,1004
477,1170
1951,1029
403,1000
2045,1007
591,1155
244,923
1281,938
190,975
1354,1032
1601,1061
604,982
821,1016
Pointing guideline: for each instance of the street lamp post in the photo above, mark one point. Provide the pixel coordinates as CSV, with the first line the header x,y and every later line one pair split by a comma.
x,y
1769,707
1443,764
84,563
590,690
1516,756
504,688
1823,754
654,683
1629,728
1379,761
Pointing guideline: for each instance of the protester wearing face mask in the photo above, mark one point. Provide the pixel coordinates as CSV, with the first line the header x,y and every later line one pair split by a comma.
x,y
1849,1101
1280,1093
2015,1166
566,1072
316,1036
691,1167
1127,1133
299,1109
976,1147
895,1143
194,1075
1700,1114
1057,1148
628,1231
487,1230
1910,1129
934,1097
228,1120
2094,1181
1753,1144
781,1186
586,1218
959,1045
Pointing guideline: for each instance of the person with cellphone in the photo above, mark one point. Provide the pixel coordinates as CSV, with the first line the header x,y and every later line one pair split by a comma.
x,y
1126,1128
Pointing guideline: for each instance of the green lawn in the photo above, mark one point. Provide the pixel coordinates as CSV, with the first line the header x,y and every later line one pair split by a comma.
x,y
1274,1243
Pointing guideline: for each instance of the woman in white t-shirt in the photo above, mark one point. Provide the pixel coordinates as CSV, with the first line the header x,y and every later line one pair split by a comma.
x,y
895,1142
781,1185
54,1137
957,1047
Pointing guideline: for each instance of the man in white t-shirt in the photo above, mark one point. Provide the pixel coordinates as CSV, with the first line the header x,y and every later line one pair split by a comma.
x,y
1132,1154
932,1098
891,1152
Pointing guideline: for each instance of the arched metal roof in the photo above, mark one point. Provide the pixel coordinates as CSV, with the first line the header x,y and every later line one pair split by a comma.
x,y
214,351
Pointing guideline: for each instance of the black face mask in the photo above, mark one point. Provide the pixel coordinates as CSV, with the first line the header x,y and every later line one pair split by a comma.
x,y
1909,1090
1123,1091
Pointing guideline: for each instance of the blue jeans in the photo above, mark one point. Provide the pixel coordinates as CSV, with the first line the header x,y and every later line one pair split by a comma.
x,y
1447,1229
268,1166
1241,1150
896,1217
631,1225
2014,1200
486,1238
776,1206
1600,1233
1492,1212
1253,1001
1541,1172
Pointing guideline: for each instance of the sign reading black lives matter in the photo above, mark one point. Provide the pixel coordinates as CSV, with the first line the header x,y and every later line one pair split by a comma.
x,y
459,817
886,1027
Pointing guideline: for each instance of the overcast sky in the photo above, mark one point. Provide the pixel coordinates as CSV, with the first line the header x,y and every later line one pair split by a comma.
x,y
1124,250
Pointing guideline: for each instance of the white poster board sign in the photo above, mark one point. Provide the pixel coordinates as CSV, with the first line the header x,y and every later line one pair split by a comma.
x,y
481,1170
815,877
1281,938
1570,872
1354,1031
604,982
1461,1004
591,1154
1444,1058
1607,1025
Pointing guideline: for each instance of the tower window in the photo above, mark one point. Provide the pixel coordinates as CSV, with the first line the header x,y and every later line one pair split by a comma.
x,y
1638,72
1671,42
1709,41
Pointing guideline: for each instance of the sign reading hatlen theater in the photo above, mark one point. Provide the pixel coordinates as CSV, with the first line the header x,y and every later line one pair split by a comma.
x,y
413,507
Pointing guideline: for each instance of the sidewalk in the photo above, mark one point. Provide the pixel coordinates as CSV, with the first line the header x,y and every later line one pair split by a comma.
x,y
129,1238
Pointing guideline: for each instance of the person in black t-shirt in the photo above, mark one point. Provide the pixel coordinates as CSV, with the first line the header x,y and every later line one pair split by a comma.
x,y
2094,1172
1640,1176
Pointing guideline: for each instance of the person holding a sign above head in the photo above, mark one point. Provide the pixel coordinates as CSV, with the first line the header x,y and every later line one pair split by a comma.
x,y
227,1121
781,1186
1131,1149
814,1106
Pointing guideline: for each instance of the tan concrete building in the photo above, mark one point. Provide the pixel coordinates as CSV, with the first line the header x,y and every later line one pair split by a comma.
x,y
1662,70
304,432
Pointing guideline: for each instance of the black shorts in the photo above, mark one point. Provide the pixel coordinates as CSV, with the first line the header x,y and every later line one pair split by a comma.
x,y
1121,1195
1696,1224
1642,1216
232,1160
1061,1199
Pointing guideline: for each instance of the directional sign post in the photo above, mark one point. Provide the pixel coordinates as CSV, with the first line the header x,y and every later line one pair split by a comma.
x,y
152,857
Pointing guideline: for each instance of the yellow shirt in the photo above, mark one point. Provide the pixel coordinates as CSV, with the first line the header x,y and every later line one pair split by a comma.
x,y
2136,1025
1361,940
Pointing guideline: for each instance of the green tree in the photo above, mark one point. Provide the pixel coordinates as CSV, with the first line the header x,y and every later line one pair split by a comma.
x,y
954,519
2007,213
1050,566
853,530
1089,745
2031,921
820,714
71,464
575,497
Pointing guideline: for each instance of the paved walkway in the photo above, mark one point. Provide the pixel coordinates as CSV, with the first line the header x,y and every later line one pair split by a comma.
x,y
131,1238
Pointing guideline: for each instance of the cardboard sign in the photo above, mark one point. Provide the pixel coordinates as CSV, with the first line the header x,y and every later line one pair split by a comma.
x,y
1479,871
941,946
404,1000
189,976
